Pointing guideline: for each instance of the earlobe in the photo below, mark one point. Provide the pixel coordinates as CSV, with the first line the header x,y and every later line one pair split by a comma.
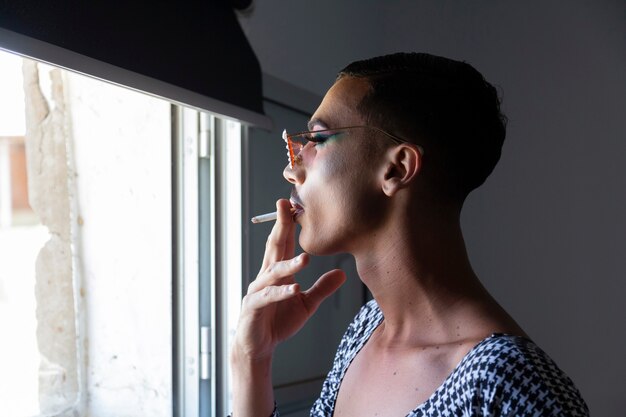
x,y
403,166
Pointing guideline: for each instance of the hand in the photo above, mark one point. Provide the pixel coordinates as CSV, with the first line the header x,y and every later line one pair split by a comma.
x,y
274,308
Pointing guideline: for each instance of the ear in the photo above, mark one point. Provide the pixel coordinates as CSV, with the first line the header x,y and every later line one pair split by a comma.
x,y
403,164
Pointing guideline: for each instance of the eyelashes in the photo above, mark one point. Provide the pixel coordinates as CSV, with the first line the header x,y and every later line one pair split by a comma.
x,y
319,138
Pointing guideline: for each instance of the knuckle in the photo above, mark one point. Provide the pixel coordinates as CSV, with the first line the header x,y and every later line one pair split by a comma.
x,y
273,240
267,291
273,268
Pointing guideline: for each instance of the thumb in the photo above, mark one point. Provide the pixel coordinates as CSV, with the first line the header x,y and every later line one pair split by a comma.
x,y
323,288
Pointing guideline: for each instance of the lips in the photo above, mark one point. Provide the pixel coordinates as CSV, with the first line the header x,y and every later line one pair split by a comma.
x,y
296,203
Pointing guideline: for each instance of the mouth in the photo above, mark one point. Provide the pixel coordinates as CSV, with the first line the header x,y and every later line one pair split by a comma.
x,y
296,203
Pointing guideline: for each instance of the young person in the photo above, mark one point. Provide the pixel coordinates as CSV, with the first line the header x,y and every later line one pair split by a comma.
x,y
393,150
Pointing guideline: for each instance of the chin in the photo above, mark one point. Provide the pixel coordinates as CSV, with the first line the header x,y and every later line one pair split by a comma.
x,y
318,245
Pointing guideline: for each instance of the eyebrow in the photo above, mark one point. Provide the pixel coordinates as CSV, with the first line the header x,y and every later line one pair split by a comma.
x,y
316,122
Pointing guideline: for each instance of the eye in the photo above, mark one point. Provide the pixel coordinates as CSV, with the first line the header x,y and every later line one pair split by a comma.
x,y
320,138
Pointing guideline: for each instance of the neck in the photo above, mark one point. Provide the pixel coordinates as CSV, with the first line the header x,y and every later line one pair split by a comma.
x,y
419,273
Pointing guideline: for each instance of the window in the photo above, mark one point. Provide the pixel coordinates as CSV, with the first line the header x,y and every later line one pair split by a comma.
x,y
114,207
208,243
126,247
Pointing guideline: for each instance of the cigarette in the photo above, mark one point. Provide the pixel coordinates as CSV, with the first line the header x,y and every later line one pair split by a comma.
x,y
268,217
262,218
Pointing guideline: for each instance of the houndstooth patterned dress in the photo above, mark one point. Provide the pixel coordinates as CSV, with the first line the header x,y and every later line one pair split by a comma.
x,y
501,376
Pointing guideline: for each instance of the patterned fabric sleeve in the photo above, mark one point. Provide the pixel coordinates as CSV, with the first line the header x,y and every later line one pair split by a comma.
x,y
505,376
521,380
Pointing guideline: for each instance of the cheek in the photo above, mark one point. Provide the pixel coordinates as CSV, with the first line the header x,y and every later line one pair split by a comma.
x,y
341,205
329,163
342,178
327,192
348,189
337,167
336,181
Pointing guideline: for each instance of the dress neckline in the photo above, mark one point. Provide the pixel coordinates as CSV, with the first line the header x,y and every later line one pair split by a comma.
x,y
378,321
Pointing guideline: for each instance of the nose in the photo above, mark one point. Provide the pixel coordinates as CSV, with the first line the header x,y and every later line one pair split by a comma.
x,y
294,175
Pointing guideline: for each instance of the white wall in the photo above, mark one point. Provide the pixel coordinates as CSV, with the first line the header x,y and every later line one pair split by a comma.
x,y
546,233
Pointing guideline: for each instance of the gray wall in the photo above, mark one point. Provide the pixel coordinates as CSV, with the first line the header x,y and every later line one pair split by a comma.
x,y
546,233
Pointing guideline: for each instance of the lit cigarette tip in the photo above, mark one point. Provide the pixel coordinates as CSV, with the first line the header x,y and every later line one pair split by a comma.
x,y
261,218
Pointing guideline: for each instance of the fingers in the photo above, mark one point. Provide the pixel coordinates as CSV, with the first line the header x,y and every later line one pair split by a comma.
x,y
279,272
290,245
269,295
281,241
323,288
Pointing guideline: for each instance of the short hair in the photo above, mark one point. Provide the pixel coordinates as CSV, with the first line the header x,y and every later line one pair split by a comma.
x,y
444,105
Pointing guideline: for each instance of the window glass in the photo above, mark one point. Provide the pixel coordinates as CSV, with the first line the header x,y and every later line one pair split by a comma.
x,y
85,244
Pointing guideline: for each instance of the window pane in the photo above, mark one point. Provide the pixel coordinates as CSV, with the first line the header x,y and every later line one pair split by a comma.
x,y
85,244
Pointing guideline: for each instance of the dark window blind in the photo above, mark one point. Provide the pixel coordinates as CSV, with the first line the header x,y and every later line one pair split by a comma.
x,y
191,52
